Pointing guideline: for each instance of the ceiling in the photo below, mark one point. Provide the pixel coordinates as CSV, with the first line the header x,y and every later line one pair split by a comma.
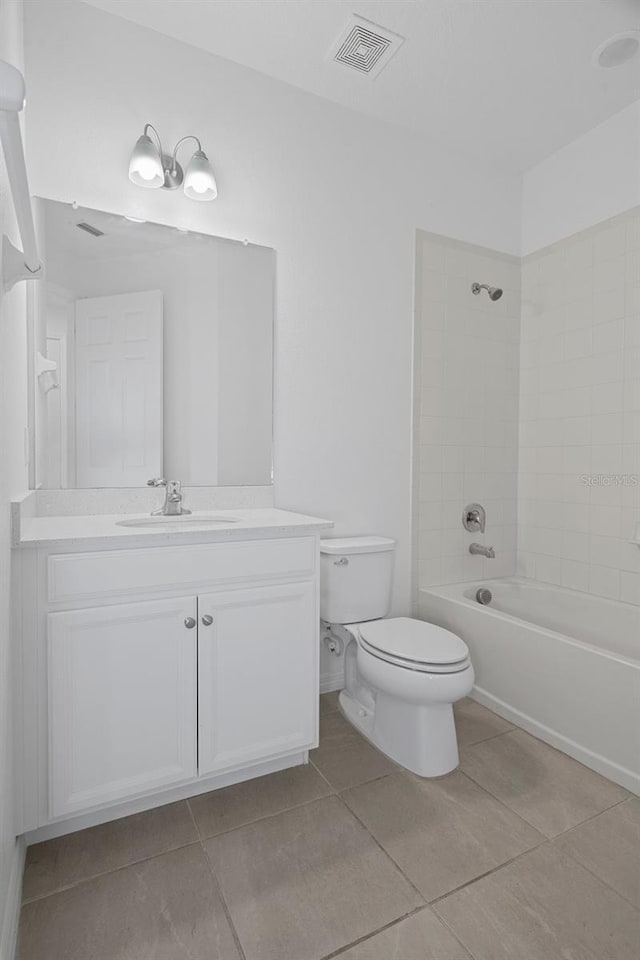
x,y
506,81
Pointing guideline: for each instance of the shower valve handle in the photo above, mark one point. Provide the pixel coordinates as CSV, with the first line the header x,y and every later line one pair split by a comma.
x,y
474,518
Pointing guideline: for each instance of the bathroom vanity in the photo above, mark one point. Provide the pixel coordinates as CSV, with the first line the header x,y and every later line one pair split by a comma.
x,y
162,660
159,656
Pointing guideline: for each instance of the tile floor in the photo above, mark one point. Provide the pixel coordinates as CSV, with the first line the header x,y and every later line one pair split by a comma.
x,y
521,854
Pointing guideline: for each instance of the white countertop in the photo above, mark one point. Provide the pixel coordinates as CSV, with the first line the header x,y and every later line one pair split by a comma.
x,y
93,531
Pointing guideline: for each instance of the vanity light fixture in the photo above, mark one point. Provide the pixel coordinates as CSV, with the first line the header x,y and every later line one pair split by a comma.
x,y
150,167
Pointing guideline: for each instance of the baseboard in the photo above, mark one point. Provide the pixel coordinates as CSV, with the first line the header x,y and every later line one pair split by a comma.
x,y
595,761
331,681
9,932
191,789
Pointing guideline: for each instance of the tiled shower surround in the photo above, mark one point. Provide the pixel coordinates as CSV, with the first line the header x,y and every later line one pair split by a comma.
x,y
467,359
531,406
579,460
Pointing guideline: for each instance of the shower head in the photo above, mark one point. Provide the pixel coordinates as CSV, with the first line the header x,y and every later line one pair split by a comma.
x,y
494,292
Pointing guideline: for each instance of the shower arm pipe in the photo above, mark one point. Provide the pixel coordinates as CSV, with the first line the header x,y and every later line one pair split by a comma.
x,y
25,264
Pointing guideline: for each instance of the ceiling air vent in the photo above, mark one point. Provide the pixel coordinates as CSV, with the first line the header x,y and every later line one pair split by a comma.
x,y
365,47
88,228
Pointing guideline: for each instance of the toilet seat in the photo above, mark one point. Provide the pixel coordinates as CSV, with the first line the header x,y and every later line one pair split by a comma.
x,y
415,645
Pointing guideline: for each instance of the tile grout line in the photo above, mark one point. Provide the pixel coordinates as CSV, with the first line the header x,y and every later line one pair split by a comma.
x,y
321,774
548,841
423,906
216,883
575,859
267,816
106,873
596,876
532,825
368,936
379,845
225,908
505,806
193,820
494,736
199,838
483,876
337,791
448,927
388,926
594,816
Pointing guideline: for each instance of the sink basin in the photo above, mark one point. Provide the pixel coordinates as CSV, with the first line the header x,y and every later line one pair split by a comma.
x,y
184,520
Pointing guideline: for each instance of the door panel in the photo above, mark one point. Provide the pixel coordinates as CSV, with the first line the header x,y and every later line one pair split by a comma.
x,y
257,674
119,422
122,701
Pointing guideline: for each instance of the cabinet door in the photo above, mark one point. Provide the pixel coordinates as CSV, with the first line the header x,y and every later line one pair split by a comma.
x,y
122,701
257,674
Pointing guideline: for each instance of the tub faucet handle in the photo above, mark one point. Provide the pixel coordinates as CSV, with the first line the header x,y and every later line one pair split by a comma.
x,y
474,518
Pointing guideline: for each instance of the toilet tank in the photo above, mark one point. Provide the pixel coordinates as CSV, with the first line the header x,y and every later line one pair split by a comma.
x,y
355,578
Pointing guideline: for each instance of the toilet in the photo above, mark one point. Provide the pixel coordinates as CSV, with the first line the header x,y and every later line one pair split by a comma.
x,y
402,676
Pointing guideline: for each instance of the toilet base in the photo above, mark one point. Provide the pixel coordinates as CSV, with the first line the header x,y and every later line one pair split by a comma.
x,y
420,737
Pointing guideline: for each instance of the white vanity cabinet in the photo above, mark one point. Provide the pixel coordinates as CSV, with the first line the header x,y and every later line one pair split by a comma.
x,y
151,673
255,661
122,701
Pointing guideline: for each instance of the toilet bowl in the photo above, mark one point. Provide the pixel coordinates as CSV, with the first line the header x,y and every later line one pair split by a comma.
x,y
409,712
402,676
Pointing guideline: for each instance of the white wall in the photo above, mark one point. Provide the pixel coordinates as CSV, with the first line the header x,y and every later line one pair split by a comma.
x,y
466,424
591,179
13,482
336,194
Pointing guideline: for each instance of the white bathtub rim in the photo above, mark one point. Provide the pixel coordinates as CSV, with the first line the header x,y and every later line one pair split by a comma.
x,y
612,771
446,592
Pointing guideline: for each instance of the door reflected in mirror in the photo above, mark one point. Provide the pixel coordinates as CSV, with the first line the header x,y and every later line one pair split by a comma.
x,y
151,354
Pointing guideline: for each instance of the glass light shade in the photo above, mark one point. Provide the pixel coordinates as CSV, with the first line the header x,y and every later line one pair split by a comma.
x,y
145,166
199,181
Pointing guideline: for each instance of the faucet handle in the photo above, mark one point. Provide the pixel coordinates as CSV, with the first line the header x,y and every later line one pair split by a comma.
x,y
474,517
157,482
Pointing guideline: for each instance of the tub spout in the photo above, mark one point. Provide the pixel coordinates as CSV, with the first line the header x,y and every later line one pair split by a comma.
x,y
481,550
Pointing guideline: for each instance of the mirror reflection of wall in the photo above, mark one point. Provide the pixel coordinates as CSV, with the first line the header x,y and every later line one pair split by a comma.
x,y
162,344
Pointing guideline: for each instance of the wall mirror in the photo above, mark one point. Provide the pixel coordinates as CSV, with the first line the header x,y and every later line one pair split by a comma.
x,y
152,354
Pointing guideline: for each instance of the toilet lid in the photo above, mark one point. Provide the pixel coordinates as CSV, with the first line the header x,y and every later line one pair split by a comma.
x,y
414,640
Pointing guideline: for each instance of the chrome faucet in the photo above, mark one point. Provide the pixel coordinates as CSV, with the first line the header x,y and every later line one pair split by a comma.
x,y
481,550
172,506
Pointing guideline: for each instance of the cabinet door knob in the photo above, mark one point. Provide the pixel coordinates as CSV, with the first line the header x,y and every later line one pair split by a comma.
x,y
189,623
207,620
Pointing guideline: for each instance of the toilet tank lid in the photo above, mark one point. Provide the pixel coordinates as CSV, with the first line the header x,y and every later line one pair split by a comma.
x,y
345,545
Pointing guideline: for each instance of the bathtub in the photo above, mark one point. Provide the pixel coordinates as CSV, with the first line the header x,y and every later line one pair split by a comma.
x,y
561,664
